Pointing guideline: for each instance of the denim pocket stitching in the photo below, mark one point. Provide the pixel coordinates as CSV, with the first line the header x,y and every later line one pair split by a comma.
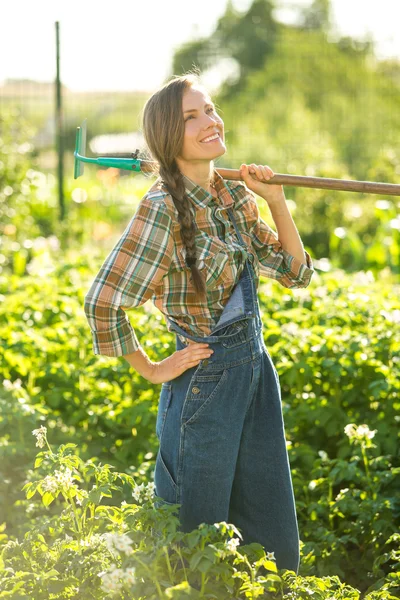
x,y
163,406
166,470
206,400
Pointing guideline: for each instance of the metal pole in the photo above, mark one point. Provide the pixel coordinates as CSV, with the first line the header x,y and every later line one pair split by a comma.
x,y
59,132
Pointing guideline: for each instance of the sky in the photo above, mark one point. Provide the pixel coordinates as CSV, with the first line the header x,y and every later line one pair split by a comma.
x,y
128,44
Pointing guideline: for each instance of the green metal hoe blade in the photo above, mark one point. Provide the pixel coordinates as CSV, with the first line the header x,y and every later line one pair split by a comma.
x,y
80,149
131,164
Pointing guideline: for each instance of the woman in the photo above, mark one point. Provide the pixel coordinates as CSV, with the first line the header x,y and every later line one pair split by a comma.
x,y
196,246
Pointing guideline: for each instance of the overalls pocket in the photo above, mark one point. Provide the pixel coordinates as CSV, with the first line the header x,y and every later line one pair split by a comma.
x,y
163,404
202,389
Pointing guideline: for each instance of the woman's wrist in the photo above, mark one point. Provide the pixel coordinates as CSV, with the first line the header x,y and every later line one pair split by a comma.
x,y
141,363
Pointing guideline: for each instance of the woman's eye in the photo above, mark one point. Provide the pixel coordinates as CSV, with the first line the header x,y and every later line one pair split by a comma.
x,y
210,108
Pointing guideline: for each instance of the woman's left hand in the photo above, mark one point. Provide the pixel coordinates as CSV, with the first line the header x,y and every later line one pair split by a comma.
x,y
254,175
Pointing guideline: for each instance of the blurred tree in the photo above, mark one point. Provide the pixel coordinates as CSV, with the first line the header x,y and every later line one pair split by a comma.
x,y
247,38
317,16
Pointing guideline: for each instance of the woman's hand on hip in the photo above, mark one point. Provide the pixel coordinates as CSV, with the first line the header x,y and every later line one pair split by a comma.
x,y
181,360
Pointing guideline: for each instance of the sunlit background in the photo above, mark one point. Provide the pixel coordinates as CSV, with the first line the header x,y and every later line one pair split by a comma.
x,y
308,87
128,45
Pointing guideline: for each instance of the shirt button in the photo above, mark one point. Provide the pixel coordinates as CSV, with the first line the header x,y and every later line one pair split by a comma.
x,y
205,362
195,390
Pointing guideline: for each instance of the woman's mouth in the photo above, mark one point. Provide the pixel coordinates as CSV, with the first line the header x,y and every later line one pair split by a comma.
x,y
211,138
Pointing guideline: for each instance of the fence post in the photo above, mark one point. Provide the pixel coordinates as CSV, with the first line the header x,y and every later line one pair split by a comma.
x,y
59,132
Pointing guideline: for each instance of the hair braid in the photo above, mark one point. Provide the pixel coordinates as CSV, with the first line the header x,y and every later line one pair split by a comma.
x,y
163,131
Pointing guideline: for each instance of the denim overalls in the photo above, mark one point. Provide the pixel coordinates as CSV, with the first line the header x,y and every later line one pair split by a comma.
x,y
222,450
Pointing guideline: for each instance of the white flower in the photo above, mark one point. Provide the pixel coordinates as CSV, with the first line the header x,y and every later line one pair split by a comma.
x,y
40,436
49,484
60,479
111,581
341,494
64,478
7,384
323,454
12,385
144,492
118,541
150,489
364,431
361,433
137,492
350,430
312,485
232,544
130,575
271,556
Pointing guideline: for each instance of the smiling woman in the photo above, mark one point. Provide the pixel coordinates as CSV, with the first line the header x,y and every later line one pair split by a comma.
x,y
197,255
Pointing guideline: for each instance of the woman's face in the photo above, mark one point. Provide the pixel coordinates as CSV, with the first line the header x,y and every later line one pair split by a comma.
x,y
201,123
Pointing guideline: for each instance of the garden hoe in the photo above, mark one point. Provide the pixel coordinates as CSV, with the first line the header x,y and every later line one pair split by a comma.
x,y
144,166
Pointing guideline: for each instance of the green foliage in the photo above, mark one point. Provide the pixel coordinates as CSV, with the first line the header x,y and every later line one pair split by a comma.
x,y
68,527
92,550
335,346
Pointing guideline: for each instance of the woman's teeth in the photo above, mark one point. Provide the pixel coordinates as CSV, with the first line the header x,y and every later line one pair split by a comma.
x,y
213,139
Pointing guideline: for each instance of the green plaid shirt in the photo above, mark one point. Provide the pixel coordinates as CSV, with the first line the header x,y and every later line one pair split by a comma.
x,y
148,262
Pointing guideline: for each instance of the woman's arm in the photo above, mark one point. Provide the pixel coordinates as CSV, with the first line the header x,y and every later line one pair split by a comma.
x,y
128,278
141,363
287,231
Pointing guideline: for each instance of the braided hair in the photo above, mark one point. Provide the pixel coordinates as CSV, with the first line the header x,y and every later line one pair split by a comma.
x,y
163,130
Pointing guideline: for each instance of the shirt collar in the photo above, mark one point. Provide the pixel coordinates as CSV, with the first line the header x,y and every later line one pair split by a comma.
x,y
201,198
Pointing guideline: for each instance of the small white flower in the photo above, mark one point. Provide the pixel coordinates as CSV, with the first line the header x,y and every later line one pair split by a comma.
x,y
271,556
64,478
111,581
150,489
341,494
350,430
118,541
323,454
40,436
137,492
7,384
12,385
232,544
130,575
364,431
360,434
312,485
49,484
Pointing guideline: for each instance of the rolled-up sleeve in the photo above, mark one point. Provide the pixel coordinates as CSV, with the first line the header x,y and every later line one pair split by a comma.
x,y
128,278
275,261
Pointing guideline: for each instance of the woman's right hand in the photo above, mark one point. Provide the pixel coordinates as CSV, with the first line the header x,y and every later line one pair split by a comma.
x,y
181,360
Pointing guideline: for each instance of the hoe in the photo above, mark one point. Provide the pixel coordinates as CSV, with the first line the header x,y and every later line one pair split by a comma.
x,y
137,165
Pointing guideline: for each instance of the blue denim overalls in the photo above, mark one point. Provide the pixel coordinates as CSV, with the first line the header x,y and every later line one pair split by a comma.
x,y
222,450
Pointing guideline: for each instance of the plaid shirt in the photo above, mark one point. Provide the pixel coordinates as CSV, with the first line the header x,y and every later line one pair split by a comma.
x,y
148,262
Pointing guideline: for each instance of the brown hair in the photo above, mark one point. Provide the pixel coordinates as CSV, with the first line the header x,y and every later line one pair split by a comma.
x,y
163,130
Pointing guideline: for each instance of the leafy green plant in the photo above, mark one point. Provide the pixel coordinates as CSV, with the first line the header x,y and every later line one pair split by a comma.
x,y
92,550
